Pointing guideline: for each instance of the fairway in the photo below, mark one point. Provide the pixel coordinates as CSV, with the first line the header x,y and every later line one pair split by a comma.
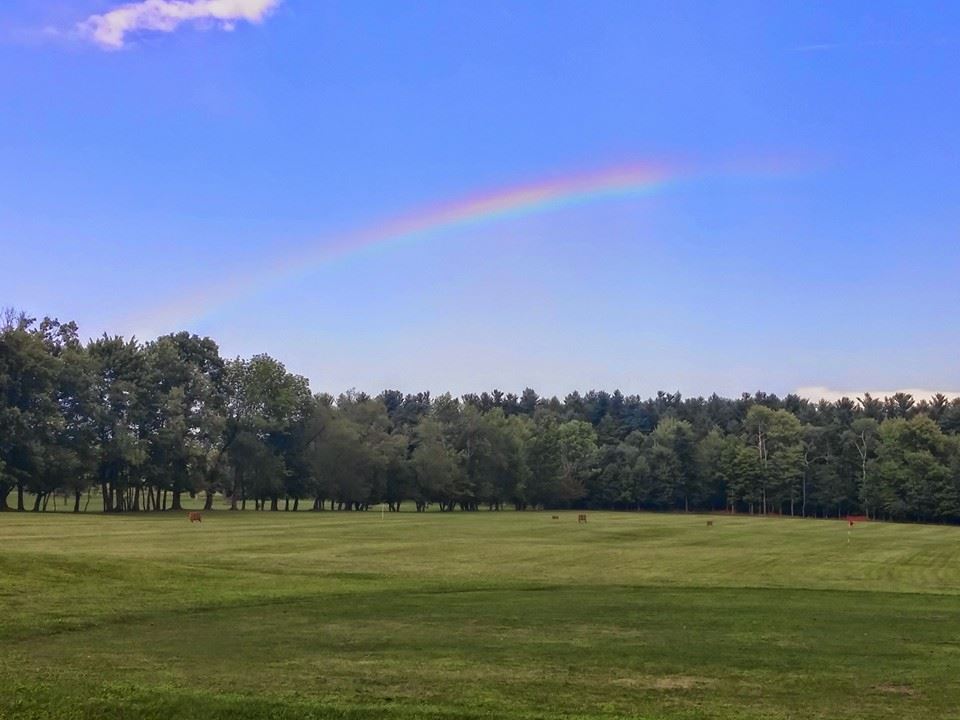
x,y
347,615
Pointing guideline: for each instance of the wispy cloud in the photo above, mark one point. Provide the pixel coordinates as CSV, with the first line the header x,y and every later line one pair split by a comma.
x,y
855,45
110,29
818,392
816,47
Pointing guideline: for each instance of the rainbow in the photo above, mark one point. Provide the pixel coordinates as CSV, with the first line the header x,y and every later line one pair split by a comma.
x,y
503,204
516,202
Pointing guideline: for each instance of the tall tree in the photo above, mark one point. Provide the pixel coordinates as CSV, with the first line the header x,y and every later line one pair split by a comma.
x,y
776,438
672,460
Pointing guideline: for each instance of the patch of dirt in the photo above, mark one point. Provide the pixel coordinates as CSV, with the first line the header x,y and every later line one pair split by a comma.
x,y
666,682
894,689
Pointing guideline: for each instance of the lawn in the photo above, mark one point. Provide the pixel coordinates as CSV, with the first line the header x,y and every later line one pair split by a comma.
x,y
475,615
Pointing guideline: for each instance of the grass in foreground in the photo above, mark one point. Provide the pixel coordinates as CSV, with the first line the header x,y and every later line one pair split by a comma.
x,y
482,615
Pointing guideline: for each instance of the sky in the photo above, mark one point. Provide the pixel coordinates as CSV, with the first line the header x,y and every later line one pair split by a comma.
x,y
281,174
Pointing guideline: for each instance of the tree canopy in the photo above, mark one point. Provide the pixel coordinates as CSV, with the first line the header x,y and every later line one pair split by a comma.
x,y
138,425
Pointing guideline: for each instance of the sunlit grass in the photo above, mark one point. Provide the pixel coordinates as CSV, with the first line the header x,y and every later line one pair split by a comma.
x,y
475,615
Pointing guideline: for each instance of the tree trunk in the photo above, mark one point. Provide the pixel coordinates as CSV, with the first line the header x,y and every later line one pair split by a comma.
x,y
175,501
4,491
36,502
208,501
20,507
76,500
296,504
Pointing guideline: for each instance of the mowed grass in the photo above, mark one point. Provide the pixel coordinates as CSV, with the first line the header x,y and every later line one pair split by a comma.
x,y
475,615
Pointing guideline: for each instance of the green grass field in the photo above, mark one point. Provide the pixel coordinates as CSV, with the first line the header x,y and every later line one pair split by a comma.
x,y
475,615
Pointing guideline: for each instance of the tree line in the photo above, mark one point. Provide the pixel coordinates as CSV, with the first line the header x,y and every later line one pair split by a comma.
x,y
135,426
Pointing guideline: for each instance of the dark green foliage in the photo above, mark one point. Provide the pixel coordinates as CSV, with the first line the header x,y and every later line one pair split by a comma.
x,y
140,425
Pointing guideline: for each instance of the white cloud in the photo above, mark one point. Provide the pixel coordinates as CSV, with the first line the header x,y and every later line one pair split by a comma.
x,y
110,29
817,392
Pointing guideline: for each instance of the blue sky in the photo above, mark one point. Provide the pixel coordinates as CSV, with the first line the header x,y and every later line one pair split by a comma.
x,y
141,169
